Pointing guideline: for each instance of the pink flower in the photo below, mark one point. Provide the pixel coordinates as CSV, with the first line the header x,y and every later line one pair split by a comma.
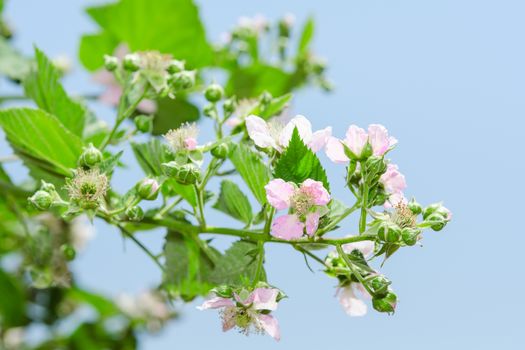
x,y
274,135
379,139
304,202
394,183
250,313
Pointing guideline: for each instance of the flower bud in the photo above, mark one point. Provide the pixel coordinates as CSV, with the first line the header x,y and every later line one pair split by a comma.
x,y
437,221
90,157
209,110
375,166
229,106
135,213
415,207
214,93
110,62
46,186
187,174
175,66
144,123
389,232
148,189
183,80
431,209
410,235
265,98
386,304
220,151
223,291
379,285
41,200
131,62
68,251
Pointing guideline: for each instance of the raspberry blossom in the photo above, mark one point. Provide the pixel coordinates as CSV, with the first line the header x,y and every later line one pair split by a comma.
x,y
183,138
248,312
394,183
305,203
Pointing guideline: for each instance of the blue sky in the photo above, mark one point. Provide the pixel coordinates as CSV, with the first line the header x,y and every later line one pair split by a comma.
x,y
448,80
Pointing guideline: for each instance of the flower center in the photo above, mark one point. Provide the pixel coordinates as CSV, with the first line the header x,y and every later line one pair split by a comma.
x,y
403,216
302,202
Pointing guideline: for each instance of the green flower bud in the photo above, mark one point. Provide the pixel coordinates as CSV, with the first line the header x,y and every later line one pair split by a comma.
x,y
410,235
438,222
187,174
148,189
135,213
41,200
175,66
110,62
209,110
46,186
68,251
431,209
183,80
223,291
415,207
375,166
90,157
379,285
220,151
385,304
214,93
131,62
144,123
389,232
265,98
229,106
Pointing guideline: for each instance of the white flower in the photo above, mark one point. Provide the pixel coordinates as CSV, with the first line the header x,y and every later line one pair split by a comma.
x,y
274,134
82,231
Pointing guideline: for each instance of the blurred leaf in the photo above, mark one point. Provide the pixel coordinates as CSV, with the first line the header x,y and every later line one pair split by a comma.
x,y
104,306
298,163
169,26
108,165
171,113
44,87
151,155
233,202
41,140
12,301
237,264
252,169
306,37
251,81
12,63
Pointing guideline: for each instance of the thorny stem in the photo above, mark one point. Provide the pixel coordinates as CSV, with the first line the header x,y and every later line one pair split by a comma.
x,y
352,268
364,201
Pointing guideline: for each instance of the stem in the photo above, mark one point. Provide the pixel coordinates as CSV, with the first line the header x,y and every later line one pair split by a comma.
x,y
364,201
260,262
9,158
339,219
167,208
141,246
268,223
350,265
310,254
200,206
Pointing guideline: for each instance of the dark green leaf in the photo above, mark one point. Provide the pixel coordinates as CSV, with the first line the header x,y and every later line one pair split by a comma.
x,y
237,264
252,169
171,113
12,301
151,155
253,80
298,163
233,202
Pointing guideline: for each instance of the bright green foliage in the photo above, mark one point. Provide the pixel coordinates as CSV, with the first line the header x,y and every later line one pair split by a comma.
x,y
233,202
151,155
298,163
254,80
252,169
306,37
171,113
12,302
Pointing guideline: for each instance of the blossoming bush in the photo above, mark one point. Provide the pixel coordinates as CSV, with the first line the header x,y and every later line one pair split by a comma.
x,y
285,197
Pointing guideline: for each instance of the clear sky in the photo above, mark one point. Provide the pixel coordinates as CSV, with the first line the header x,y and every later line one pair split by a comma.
x,y
447,77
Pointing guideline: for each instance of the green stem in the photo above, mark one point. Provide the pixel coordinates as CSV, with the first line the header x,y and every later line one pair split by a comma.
x,y
352,268
310,254
364,201
167,208
339,219
260,262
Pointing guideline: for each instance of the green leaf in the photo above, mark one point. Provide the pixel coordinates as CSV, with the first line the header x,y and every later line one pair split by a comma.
x,y
93,47
170,187
104,306
12,302
108,165
274,108
41,140
336,208
251,81
306,37
298,163
12,63
233,202
237,264
252,169
169,26
151,155
44,87
172,113
189,269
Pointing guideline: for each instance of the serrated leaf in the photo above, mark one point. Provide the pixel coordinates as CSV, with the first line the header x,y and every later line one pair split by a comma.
x,y
298,163
41,140
237,264
108,165
151,155
44,87
307,35
252,169
170,188
232,201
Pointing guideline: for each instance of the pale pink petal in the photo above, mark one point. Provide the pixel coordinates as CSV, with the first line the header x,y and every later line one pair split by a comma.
x,y
320,138
279,193
395,198
265,298
270,325
392,141
312,223
335,151
393,180
359,288
147,106
379,139
356,139
259,132
352,305
111,96
304,127
246,302
228,318
215,303
316,191
365,247
232,122
190,143
287,227
104,77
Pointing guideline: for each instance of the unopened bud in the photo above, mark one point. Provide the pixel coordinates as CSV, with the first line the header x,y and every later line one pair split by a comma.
x,y
415,207
229,106
187,174
41,200
386,304
90,157
131,62
68,251
437,221
144,123
265,98
209,110
214,93
379,285
389,232
110,63
410,235
135,213
375,166
183,80
175,66
148,189
431,209
220,151
46,186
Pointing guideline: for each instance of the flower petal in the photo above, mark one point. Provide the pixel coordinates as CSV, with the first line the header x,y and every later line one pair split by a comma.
x,y
265,298
216,303
312,223
259,132
319,139
316,191
287,227
356,139
365,247
304,127
393,180
270,326
352,305
335,151
279,193
379,139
